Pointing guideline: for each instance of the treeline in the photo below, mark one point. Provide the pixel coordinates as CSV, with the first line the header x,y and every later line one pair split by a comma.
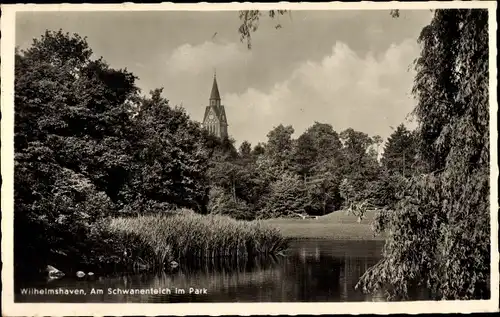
x,y
88,147
438,220
319,172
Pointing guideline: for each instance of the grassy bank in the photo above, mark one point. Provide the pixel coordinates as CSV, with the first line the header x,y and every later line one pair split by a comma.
x,y
336,225
162,238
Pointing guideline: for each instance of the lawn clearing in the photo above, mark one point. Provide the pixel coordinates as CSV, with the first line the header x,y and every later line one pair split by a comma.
x,y
336,225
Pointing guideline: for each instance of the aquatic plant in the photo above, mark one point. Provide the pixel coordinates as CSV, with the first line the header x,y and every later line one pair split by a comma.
x,y
189,235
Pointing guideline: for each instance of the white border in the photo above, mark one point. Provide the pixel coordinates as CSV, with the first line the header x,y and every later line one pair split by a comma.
x,y
9,308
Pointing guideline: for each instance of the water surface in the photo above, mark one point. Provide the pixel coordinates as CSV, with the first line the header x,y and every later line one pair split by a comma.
x,y
311,271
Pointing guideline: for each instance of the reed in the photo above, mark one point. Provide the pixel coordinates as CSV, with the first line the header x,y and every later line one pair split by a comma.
x,y
185,235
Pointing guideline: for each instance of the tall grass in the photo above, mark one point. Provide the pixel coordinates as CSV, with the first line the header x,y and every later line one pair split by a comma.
x,y
188,235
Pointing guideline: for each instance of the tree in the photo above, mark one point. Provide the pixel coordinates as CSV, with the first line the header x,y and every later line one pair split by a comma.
x,y
377,140
317,158
326,141
250,23
287,197
72,151
279,146
223,204
360,166
245,149
171,156
400,152
323,190
439,234
82,108
385,192
87,147
235,174
259,149
355,146
304,155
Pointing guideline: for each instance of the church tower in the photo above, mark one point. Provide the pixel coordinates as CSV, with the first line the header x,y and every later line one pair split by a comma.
x,y
214,119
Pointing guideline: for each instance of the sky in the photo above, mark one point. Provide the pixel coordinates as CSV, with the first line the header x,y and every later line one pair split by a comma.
x,y
350,69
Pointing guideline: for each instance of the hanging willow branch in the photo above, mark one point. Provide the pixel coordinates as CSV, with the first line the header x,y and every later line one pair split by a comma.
x,y
250,23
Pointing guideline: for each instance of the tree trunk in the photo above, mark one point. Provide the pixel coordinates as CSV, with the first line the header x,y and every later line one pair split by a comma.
x,y
234,190
324,204
403,164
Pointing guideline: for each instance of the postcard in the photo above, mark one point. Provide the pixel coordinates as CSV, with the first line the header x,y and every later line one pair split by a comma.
x,y
277,158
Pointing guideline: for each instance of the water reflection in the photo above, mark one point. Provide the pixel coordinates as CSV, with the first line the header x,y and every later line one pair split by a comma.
x,y
312,271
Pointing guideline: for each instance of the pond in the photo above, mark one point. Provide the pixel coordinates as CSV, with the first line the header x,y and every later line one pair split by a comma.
x,y
311,271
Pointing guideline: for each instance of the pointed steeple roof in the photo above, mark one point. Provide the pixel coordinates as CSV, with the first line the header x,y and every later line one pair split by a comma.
x,y
214,95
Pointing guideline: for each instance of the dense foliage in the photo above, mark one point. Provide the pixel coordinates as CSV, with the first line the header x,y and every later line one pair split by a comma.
x,y
400,152
89,149
287,176
87,146
433,185
170,158
439,234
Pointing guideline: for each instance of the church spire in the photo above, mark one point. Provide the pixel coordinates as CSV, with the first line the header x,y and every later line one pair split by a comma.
x,y
214,95
215,120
